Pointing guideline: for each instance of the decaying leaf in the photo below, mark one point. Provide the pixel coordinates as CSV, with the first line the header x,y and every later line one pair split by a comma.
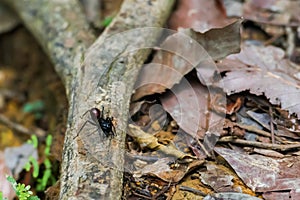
x,y
182,52
263,174
217,177
5,186
262,70
218,42
230,195
17,157
161,169
201,15
189,105
149,141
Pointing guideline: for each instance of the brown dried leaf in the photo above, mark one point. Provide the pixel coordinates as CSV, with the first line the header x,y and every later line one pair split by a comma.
x,y
262,70
218,177
219,42
183,51
147,140
201,15
188,105
264,174
162,170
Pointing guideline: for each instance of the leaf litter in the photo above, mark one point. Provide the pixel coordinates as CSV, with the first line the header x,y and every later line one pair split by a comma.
x,y
262,71
192,97
168,147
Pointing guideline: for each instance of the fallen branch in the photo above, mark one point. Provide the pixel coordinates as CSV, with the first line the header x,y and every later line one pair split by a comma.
x,y
280,147
91,75
20,128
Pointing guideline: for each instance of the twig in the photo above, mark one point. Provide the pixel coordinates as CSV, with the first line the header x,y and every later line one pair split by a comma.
x,y
271,125
141,195
272,39
204,149
259,131
20,128
163,190
280,147
193,190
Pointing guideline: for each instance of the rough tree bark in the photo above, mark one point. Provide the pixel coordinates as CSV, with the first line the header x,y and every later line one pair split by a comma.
x,y
101,74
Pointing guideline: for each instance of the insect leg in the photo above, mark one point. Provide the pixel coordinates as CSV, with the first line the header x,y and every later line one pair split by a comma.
x,y
88,121
102,112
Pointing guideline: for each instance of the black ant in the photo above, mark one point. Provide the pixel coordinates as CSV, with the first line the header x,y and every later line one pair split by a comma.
x,y
105,124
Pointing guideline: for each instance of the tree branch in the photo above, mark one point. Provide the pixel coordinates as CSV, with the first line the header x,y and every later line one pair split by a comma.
x,y
60,28
103,74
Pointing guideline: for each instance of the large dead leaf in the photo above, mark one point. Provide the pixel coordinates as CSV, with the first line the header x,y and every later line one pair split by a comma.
x,y
218,177
264,174
201,15
183,51
263,70
189,104
218,42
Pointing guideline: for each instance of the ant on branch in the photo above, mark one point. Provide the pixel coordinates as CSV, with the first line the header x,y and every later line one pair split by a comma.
x,y
105,124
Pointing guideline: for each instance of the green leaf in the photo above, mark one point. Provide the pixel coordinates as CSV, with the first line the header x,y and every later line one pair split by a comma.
x,y
12,181
47,163
35,106
46,177
48,145
49,140
33,198
35,166
34,141
27,166
107,21
23,192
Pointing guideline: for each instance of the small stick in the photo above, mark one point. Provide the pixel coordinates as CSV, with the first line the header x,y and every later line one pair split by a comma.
x,y
20,128
193,190
259,131
281,147
271,125
163,190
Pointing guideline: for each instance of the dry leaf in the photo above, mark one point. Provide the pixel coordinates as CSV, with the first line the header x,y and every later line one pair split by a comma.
x,y
262,70
264,174
162,170
5,186
147,140
201,15
188,105
183,51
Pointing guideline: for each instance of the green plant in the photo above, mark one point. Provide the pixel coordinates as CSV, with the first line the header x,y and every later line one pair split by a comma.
x,y
47,173
36,108
23,192
1,196
32,161
106,21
